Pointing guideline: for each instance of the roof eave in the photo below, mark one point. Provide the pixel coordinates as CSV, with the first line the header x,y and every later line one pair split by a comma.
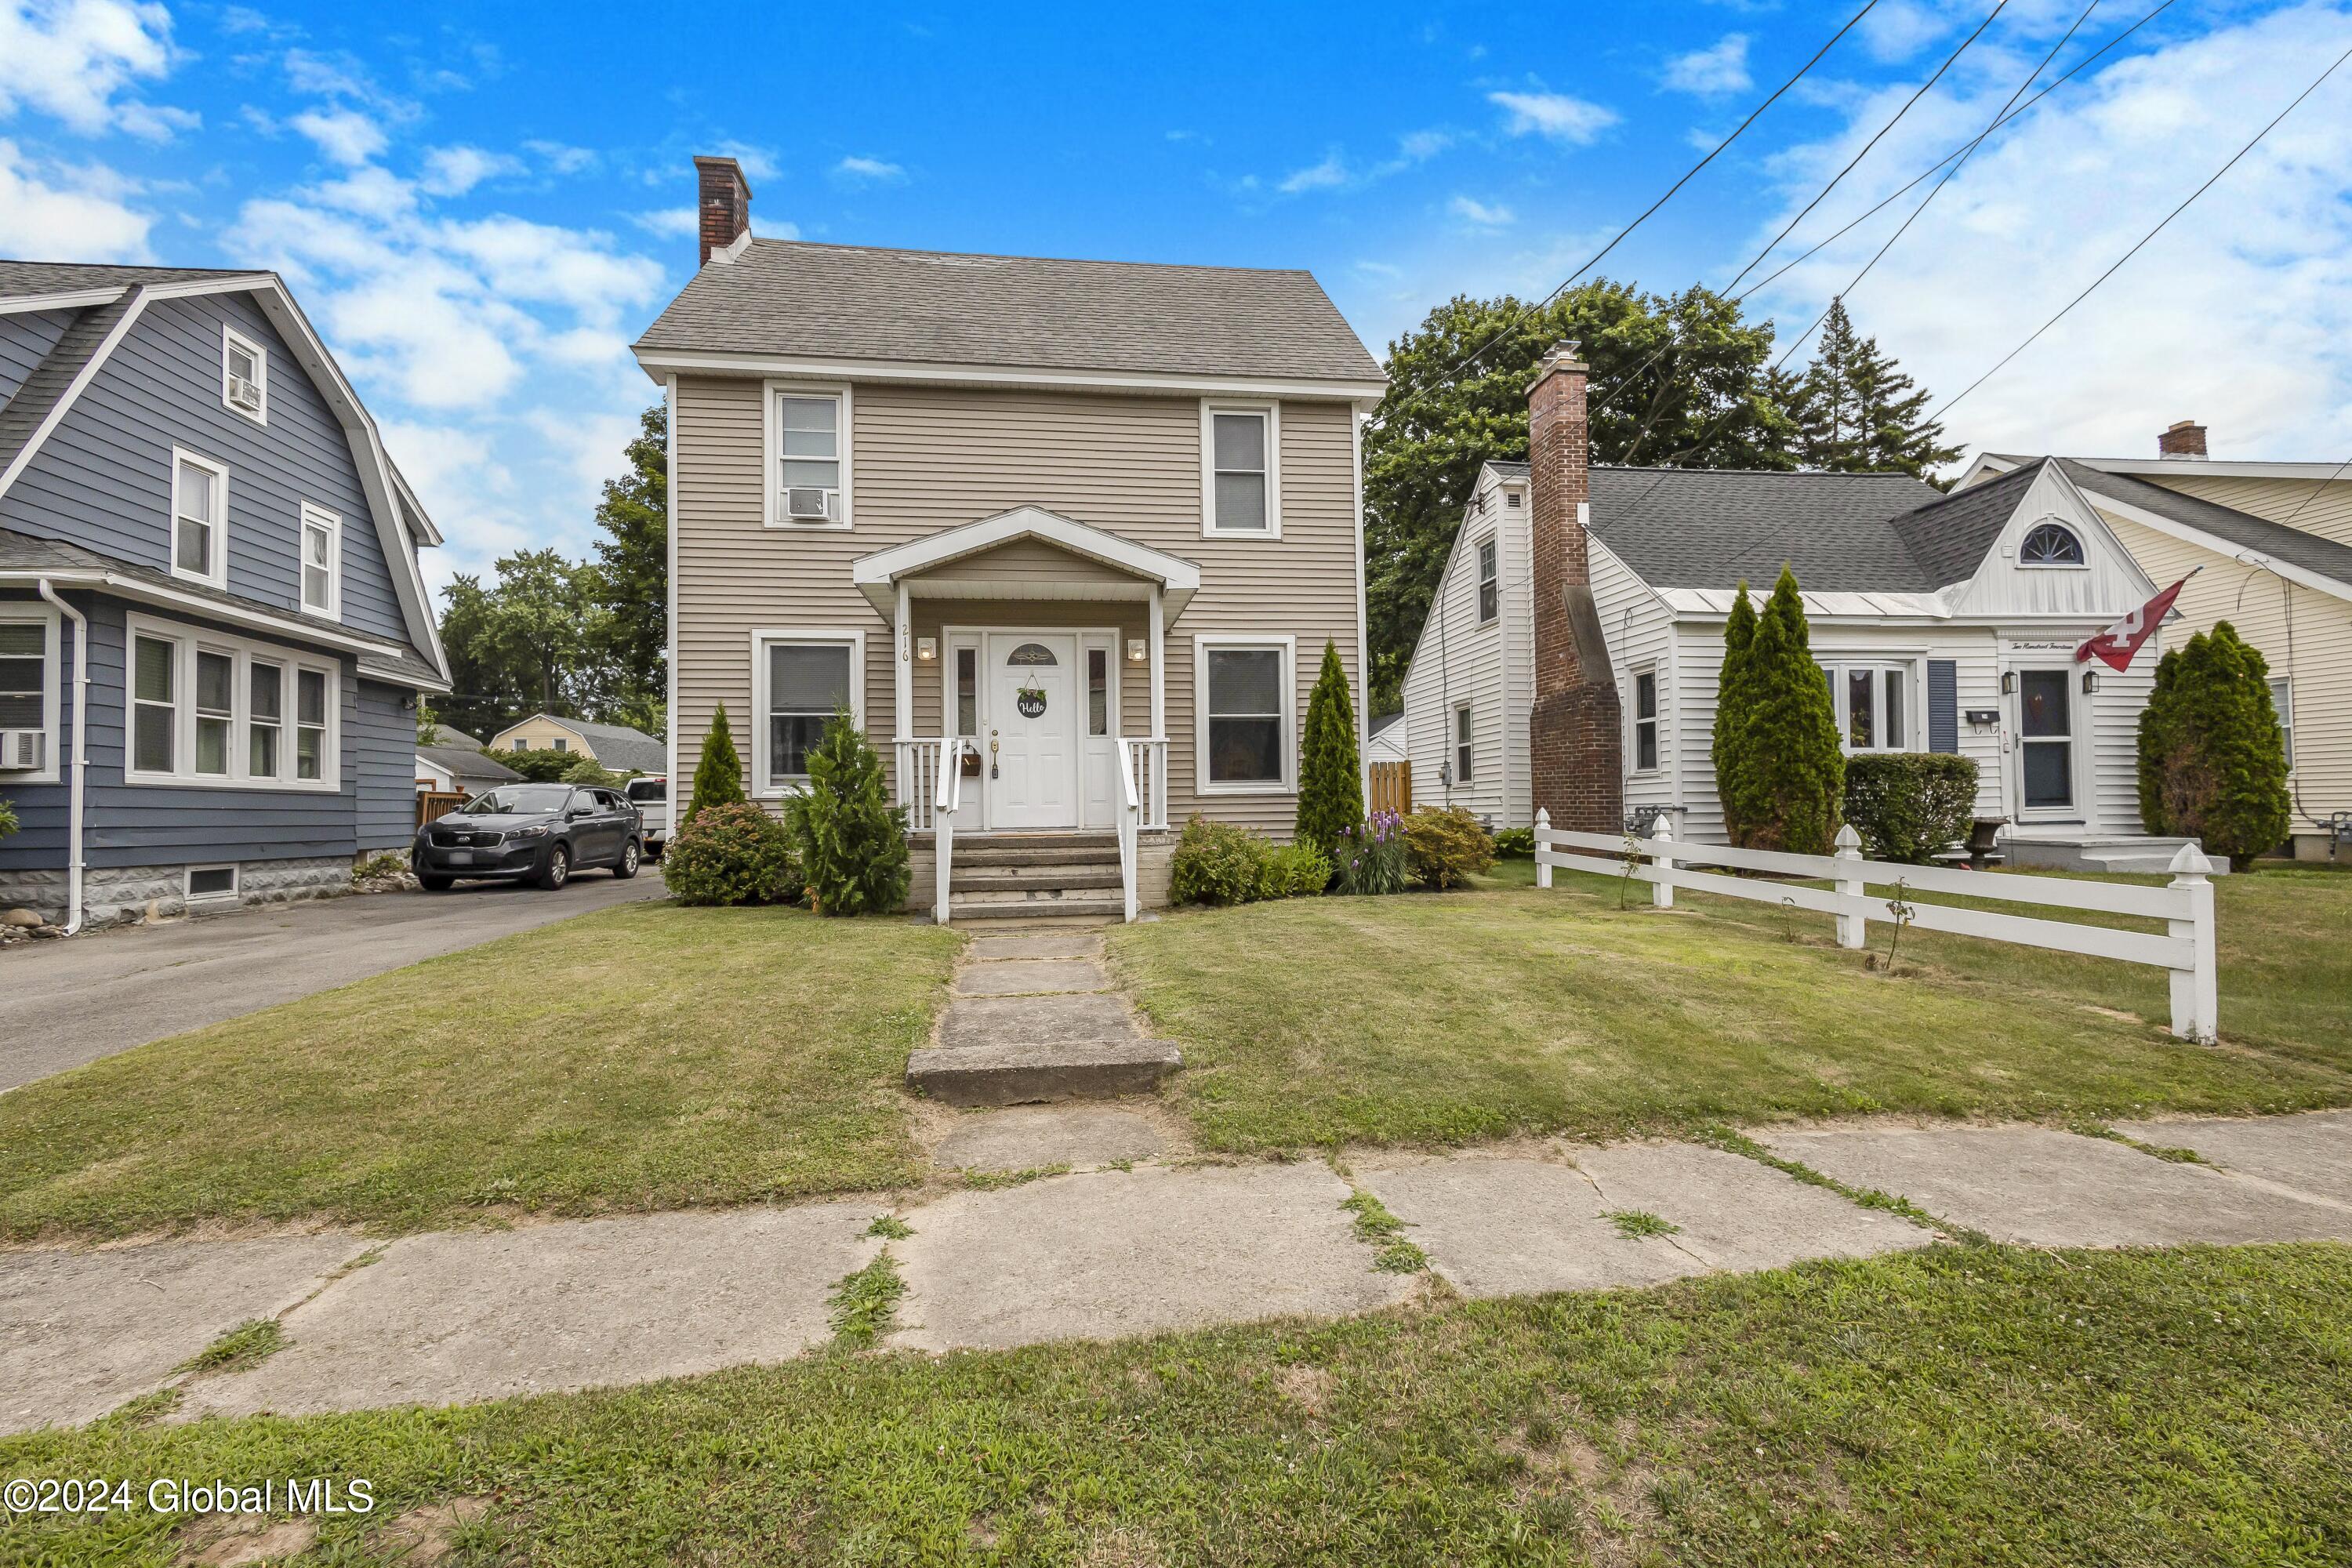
x,y
659,364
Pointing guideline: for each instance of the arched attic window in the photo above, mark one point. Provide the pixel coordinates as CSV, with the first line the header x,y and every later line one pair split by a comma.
x,y
2051,545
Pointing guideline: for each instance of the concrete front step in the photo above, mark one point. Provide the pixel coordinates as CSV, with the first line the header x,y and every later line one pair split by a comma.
x,y
987,853
973,842
1009,1051
968,908
1031,878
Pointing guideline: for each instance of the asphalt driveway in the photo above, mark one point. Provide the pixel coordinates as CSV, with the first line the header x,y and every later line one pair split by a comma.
x,y
66,1003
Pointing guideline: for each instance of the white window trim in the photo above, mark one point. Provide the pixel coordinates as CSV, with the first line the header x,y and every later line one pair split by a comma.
x,y
319,517
1209,409
187,885
771,474
53,687
232,338
2080,542
186,639
1478,549
1914,738
1455,745
1201,647
761,641
219,578
1634,720
2282,686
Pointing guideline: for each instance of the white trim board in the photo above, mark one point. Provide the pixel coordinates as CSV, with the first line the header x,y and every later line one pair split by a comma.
x,y
876,575
657,363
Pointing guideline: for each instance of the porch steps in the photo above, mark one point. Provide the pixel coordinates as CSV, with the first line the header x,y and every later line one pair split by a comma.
x,y
1034,876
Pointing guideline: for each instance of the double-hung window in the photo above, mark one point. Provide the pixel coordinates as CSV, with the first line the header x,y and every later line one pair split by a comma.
x,y
1241,480
245,376
1465,748
322,539
808,445
211,710
199,519
28,666
1646,721
1873,705
2283,704
1488,596
1243,696
804,680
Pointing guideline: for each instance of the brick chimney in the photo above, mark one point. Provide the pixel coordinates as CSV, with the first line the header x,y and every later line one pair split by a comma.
x,y
724,198
1576,732
2185,439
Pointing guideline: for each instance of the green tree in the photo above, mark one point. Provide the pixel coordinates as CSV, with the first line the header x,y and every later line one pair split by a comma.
x,y
718,775
484,696
428,724
1677,378
7,819
852,840
1788,778
632,570
2211,762
1732,702
1861,414
535,642
1330,777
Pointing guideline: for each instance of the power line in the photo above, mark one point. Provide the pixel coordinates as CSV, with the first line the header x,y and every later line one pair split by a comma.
x,y
2150,234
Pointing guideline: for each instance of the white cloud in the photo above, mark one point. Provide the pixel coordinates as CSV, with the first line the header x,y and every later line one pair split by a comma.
x,y
1421,146
1897,30
2235,315
561,159
1481,213
857,168
1709,71
1555,115
71,58
1323,176
454,170
758,163
345,135
670,223
68,211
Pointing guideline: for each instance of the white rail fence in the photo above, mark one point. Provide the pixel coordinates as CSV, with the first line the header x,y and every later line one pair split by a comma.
x,y
2188,949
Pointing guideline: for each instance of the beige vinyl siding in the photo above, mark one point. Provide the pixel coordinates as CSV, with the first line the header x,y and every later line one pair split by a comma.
x,y
2320,507
927,460
2257,605
542,733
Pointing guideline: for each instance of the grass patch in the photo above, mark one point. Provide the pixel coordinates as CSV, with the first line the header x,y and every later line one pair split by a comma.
x,y
641,1057
247,1345
865,1304
889,1227
1976,1406
1381,1231
1456,1018
1634,1225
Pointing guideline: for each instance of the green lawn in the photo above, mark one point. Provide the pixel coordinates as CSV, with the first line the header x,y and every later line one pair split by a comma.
x,y
1961,1405
1457,1017
642,1057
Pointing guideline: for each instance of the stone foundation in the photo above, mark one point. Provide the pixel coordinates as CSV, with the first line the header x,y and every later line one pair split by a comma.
x,y
111,893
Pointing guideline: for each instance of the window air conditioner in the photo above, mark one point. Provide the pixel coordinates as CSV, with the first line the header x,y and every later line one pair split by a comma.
x,y
808,504
22,750
243,392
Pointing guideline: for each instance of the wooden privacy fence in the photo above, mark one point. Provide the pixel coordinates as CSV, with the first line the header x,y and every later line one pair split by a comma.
x,y
433,803
1392,788
2188,949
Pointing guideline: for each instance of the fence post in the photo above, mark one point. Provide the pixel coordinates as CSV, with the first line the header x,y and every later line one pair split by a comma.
x,y
1662,891
1543,825
1849,927
2196,991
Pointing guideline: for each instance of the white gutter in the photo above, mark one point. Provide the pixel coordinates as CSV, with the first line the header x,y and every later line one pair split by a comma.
x,y
82,753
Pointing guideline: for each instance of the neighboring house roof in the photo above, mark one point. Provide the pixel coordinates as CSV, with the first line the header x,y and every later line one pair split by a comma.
x,y
617,746
1380,724
24,277
467,765
450,735
1689,528
852,303
2278,541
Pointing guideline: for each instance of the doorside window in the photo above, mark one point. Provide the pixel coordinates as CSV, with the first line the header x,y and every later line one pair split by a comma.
x,y
1097,691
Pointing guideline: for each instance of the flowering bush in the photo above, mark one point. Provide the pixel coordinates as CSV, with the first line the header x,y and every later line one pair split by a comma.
x,y
1446,847
1370,856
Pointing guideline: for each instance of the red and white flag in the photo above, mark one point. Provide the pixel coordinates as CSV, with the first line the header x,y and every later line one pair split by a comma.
x,y
2117,644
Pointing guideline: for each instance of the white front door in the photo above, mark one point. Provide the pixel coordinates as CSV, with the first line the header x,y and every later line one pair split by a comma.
x,y
1031,745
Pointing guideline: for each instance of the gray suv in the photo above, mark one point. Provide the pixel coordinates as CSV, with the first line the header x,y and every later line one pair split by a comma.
x,y
536,832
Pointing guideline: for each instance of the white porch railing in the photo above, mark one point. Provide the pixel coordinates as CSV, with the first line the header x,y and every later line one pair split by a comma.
x,y
918,778
1143,764
2189,949
946,800
1130,807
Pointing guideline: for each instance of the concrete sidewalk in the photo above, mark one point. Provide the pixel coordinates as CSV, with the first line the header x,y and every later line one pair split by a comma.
x,y
1145,1241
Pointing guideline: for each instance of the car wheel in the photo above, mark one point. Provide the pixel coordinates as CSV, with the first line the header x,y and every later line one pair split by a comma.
x,y
558,870
436,884
626,866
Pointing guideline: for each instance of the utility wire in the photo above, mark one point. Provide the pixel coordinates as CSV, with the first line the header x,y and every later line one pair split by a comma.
x,y
2143,240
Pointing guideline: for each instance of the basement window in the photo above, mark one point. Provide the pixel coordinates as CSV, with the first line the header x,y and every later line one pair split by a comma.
x,y
210,884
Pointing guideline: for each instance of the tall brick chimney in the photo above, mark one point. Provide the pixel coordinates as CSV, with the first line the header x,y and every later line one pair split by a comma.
x,y
2185,439
724,198
1576,732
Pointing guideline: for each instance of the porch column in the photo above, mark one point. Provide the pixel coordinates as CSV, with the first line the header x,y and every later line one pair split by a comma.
x,y
1159,670
908,772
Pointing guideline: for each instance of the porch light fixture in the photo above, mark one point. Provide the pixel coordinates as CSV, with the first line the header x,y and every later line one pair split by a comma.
x,y
2009,683
2090,681
926,650
1136,650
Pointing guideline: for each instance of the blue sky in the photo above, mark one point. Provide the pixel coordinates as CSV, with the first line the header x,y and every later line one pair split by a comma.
x,y
481,207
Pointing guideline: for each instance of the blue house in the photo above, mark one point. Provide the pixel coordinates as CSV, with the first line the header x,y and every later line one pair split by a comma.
x,y
212,627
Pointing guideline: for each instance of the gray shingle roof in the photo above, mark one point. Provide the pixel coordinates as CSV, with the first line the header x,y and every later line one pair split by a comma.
x,y
1950,534
840,301
20,278
2280,542
466,765
49,380
1688,528
617,746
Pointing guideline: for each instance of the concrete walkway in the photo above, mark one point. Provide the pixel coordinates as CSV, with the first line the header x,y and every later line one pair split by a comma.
x,y
63,1003
1034,1018
1136,1238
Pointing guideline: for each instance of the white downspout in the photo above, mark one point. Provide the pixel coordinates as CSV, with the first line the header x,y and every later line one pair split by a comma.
x,y
82,753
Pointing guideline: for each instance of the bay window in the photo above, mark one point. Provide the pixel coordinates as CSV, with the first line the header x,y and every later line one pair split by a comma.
x,y
1243,714
210,710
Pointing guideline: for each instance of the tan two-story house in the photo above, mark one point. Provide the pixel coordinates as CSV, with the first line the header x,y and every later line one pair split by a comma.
x,y
1067,539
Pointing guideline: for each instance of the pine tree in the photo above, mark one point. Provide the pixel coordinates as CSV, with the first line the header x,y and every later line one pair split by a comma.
x,y
1731,705
718,776
1789,777
852,840
1330,778
1857,413
2211,762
